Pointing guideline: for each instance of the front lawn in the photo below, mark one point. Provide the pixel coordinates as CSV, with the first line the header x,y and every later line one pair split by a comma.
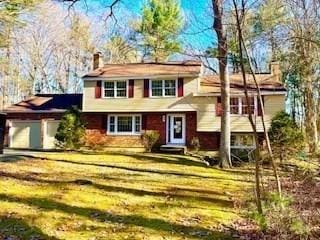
x,y
116,196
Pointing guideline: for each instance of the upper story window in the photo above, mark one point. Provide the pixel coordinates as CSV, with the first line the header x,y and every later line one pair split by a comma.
x,y
115,89
239,105
163,88
124,124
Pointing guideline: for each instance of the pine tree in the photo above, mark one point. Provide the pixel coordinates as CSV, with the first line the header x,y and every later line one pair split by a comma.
x,y
160,26
71,130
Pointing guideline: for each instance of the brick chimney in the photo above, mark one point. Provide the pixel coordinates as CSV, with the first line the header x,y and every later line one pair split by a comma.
x,y
97,60
275,70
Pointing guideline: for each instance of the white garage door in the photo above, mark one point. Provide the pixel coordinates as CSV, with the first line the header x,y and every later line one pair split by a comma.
x,y
50,133
25,134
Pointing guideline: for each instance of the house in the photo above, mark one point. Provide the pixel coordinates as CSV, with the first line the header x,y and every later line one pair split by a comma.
x,y
173,98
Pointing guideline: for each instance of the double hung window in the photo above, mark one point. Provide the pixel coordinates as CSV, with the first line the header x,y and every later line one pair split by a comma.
x,y
163,88
124,124
115,89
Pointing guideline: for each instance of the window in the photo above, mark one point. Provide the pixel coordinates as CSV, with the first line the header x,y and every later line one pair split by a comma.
x,y
163,88
112,124
137,124
248,108
156,88
124,124
170,88
115,89
242,141
234,105
239,105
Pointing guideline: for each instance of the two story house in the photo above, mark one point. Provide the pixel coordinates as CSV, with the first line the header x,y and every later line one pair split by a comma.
x,y
173,98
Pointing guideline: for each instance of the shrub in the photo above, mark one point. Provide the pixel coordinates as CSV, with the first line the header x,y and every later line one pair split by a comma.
x,y
149,139
71,130
280,218
286,137
195,144
95,140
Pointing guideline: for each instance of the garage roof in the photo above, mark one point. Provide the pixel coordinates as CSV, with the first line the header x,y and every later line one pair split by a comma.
x,y
47,103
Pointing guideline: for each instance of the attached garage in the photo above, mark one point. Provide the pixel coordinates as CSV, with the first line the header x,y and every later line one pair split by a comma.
x,y
33,123
25,134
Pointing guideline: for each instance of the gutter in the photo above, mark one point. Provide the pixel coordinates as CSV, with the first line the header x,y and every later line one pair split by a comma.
x,y
265,93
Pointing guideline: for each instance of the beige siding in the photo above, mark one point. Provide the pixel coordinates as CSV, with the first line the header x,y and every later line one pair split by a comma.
x,y
25,134
209,122
139,103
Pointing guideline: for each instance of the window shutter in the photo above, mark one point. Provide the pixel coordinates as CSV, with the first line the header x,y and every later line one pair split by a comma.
x,y
131,88
146,88
218,107
259,107
180,87
144,122
97,90
105,122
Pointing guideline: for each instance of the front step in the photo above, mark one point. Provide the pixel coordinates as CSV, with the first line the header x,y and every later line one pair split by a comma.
x,y
173,148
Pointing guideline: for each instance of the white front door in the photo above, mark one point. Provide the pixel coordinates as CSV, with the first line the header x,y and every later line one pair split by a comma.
x,y
176,129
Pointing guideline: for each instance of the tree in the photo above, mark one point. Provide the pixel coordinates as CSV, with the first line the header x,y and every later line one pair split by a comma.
x,y
118,50
304,44
10,12
159,28
292,30
225,159
286,137
239,21
71,130
240,15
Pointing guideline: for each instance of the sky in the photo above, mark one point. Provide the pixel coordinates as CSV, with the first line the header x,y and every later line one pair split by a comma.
x,y
196,14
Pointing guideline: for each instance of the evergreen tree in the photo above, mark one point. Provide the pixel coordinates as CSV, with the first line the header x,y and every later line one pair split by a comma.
x,y
71,130
160,26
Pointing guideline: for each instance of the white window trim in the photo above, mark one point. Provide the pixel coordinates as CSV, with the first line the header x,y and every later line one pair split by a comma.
x,y
240,106
116,133
115,88
243,146
163,88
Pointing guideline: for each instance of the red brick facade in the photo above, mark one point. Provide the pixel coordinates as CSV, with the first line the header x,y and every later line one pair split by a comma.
x,y
157,122
151,121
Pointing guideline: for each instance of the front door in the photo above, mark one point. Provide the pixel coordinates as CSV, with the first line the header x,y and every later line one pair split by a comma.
x,y
176,129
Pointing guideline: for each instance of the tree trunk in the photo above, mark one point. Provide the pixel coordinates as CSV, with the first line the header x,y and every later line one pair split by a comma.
x,y
225,159
253,125
311,118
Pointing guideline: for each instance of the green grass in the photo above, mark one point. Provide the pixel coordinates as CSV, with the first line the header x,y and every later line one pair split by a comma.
x,y
117,196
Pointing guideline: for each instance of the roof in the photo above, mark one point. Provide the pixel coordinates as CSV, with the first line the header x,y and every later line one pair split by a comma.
x,y
266,81
144,70
47,102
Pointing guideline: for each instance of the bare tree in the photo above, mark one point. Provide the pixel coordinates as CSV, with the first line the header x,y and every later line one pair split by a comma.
x,y
250,115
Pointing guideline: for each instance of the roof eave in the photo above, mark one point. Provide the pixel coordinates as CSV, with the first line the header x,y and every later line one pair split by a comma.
x,y
176,75
34,111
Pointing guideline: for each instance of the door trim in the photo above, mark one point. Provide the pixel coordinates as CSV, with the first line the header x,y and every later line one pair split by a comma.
x,y
183,142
